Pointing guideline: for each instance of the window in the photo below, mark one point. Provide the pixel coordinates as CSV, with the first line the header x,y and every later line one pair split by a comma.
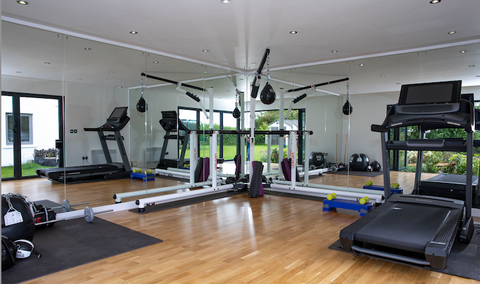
x,y
25,128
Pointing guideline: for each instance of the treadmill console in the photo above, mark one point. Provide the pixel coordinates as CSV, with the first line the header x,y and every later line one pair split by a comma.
x,y
430,98
118,115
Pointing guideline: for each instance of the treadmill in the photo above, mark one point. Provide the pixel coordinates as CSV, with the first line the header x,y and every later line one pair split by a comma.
x,y
419,229
172,124
117,120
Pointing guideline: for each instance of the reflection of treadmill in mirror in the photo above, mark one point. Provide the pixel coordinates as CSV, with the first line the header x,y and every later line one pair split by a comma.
x,y
419,229
450,185
117,121
169,122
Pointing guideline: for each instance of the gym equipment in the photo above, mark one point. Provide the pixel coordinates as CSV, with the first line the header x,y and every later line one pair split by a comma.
x,y
331,196
141,105
369,183
117,120
17,217
267,96
362,208
256,184
412,228
88,214
448,185
24,248
42,214
316,159
398,190
376,166
146,176
347,108
9,253
359,162
172,124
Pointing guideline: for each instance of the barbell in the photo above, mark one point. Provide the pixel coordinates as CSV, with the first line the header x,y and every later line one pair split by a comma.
x,y
88,214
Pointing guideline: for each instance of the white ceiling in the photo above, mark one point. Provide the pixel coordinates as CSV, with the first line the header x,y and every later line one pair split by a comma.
x,y
403,41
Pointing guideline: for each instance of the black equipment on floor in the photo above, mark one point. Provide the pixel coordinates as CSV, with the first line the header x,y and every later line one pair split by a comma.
x,y
359,162
117,120
316,159
17,217
169,123
413,228
447,185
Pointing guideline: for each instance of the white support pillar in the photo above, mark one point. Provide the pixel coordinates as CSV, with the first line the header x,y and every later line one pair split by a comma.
x,y
306,165
242,139
252,136
213,158
281,138
269,153
193,155
293,156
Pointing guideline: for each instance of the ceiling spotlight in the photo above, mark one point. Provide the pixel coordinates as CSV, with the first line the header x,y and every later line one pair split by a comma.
x,y
293,32
111,72
155,62
225,1
134,32
205,50
21,2
334,51
254,63
435,1
452,32
382,75
471,65
87,48
19,72
46,63
463,51
361,64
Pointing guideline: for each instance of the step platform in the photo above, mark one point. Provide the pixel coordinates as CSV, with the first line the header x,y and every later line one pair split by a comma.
x,y
329,205
143,176
380,187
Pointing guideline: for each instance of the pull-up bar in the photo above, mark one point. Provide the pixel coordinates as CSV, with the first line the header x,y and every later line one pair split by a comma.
x,y
260,132
173,82
318,85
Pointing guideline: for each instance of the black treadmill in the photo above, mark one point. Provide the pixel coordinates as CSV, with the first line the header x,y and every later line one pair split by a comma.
x,y
172,124
413,228
117,120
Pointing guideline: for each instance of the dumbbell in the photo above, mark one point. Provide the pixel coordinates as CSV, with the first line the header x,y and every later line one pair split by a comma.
x,y
332,196
88,214
363,200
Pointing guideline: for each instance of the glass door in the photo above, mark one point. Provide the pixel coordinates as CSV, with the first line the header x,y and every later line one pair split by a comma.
x,y
31,133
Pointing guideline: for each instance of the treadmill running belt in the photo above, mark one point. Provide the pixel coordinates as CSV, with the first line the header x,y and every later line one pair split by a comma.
x,y
415,225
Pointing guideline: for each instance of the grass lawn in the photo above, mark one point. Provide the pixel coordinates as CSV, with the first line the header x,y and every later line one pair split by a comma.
x,y
229,151
28,169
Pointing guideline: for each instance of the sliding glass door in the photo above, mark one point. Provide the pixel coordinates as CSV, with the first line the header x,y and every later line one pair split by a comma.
x,y
32,125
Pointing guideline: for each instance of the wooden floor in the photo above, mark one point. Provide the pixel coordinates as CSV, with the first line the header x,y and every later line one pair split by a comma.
x,y
269,239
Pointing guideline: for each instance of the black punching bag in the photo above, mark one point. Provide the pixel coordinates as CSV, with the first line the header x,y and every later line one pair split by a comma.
x,y
236,113
141,105
267,96
347,108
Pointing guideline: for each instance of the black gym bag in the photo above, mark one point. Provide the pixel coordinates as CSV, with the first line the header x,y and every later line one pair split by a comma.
x,y
43,214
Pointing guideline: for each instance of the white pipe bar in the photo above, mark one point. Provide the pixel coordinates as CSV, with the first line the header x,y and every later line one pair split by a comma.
x,y
193,155
269,153
332,187
178,170
141,203
311,173
173,173
118,197
324,192
242,139
252,137
281,139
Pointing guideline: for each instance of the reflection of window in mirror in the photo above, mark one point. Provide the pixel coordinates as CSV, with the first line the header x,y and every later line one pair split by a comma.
x,y
25,128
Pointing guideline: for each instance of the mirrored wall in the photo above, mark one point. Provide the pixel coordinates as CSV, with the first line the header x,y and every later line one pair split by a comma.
x,y
59,91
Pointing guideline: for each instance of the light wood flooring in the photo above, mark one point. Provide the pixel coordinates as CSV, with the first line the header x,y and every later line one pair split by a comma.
x,y
269,239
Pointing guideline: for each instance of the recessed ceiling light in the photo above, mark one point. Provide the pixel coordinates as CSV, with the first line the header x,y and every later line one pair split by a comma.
x,y
205,50
87,48
463,51
361,64
471,65
334,51
382,75
452,32
287,73
155,62
19,72
293,32
254,63
225,1
46,63
21,2
435,1
134,32
111,72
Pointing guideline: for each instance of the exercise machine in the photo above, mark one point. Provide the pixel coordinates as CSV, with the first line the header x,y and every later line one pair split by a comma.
x,y
172,124
419,229
117,120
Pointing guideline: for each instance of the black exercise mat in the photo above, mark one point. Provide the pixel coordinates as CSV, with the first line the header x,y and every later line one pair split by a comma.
x,y
190,201
357,173
463,261
72,243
